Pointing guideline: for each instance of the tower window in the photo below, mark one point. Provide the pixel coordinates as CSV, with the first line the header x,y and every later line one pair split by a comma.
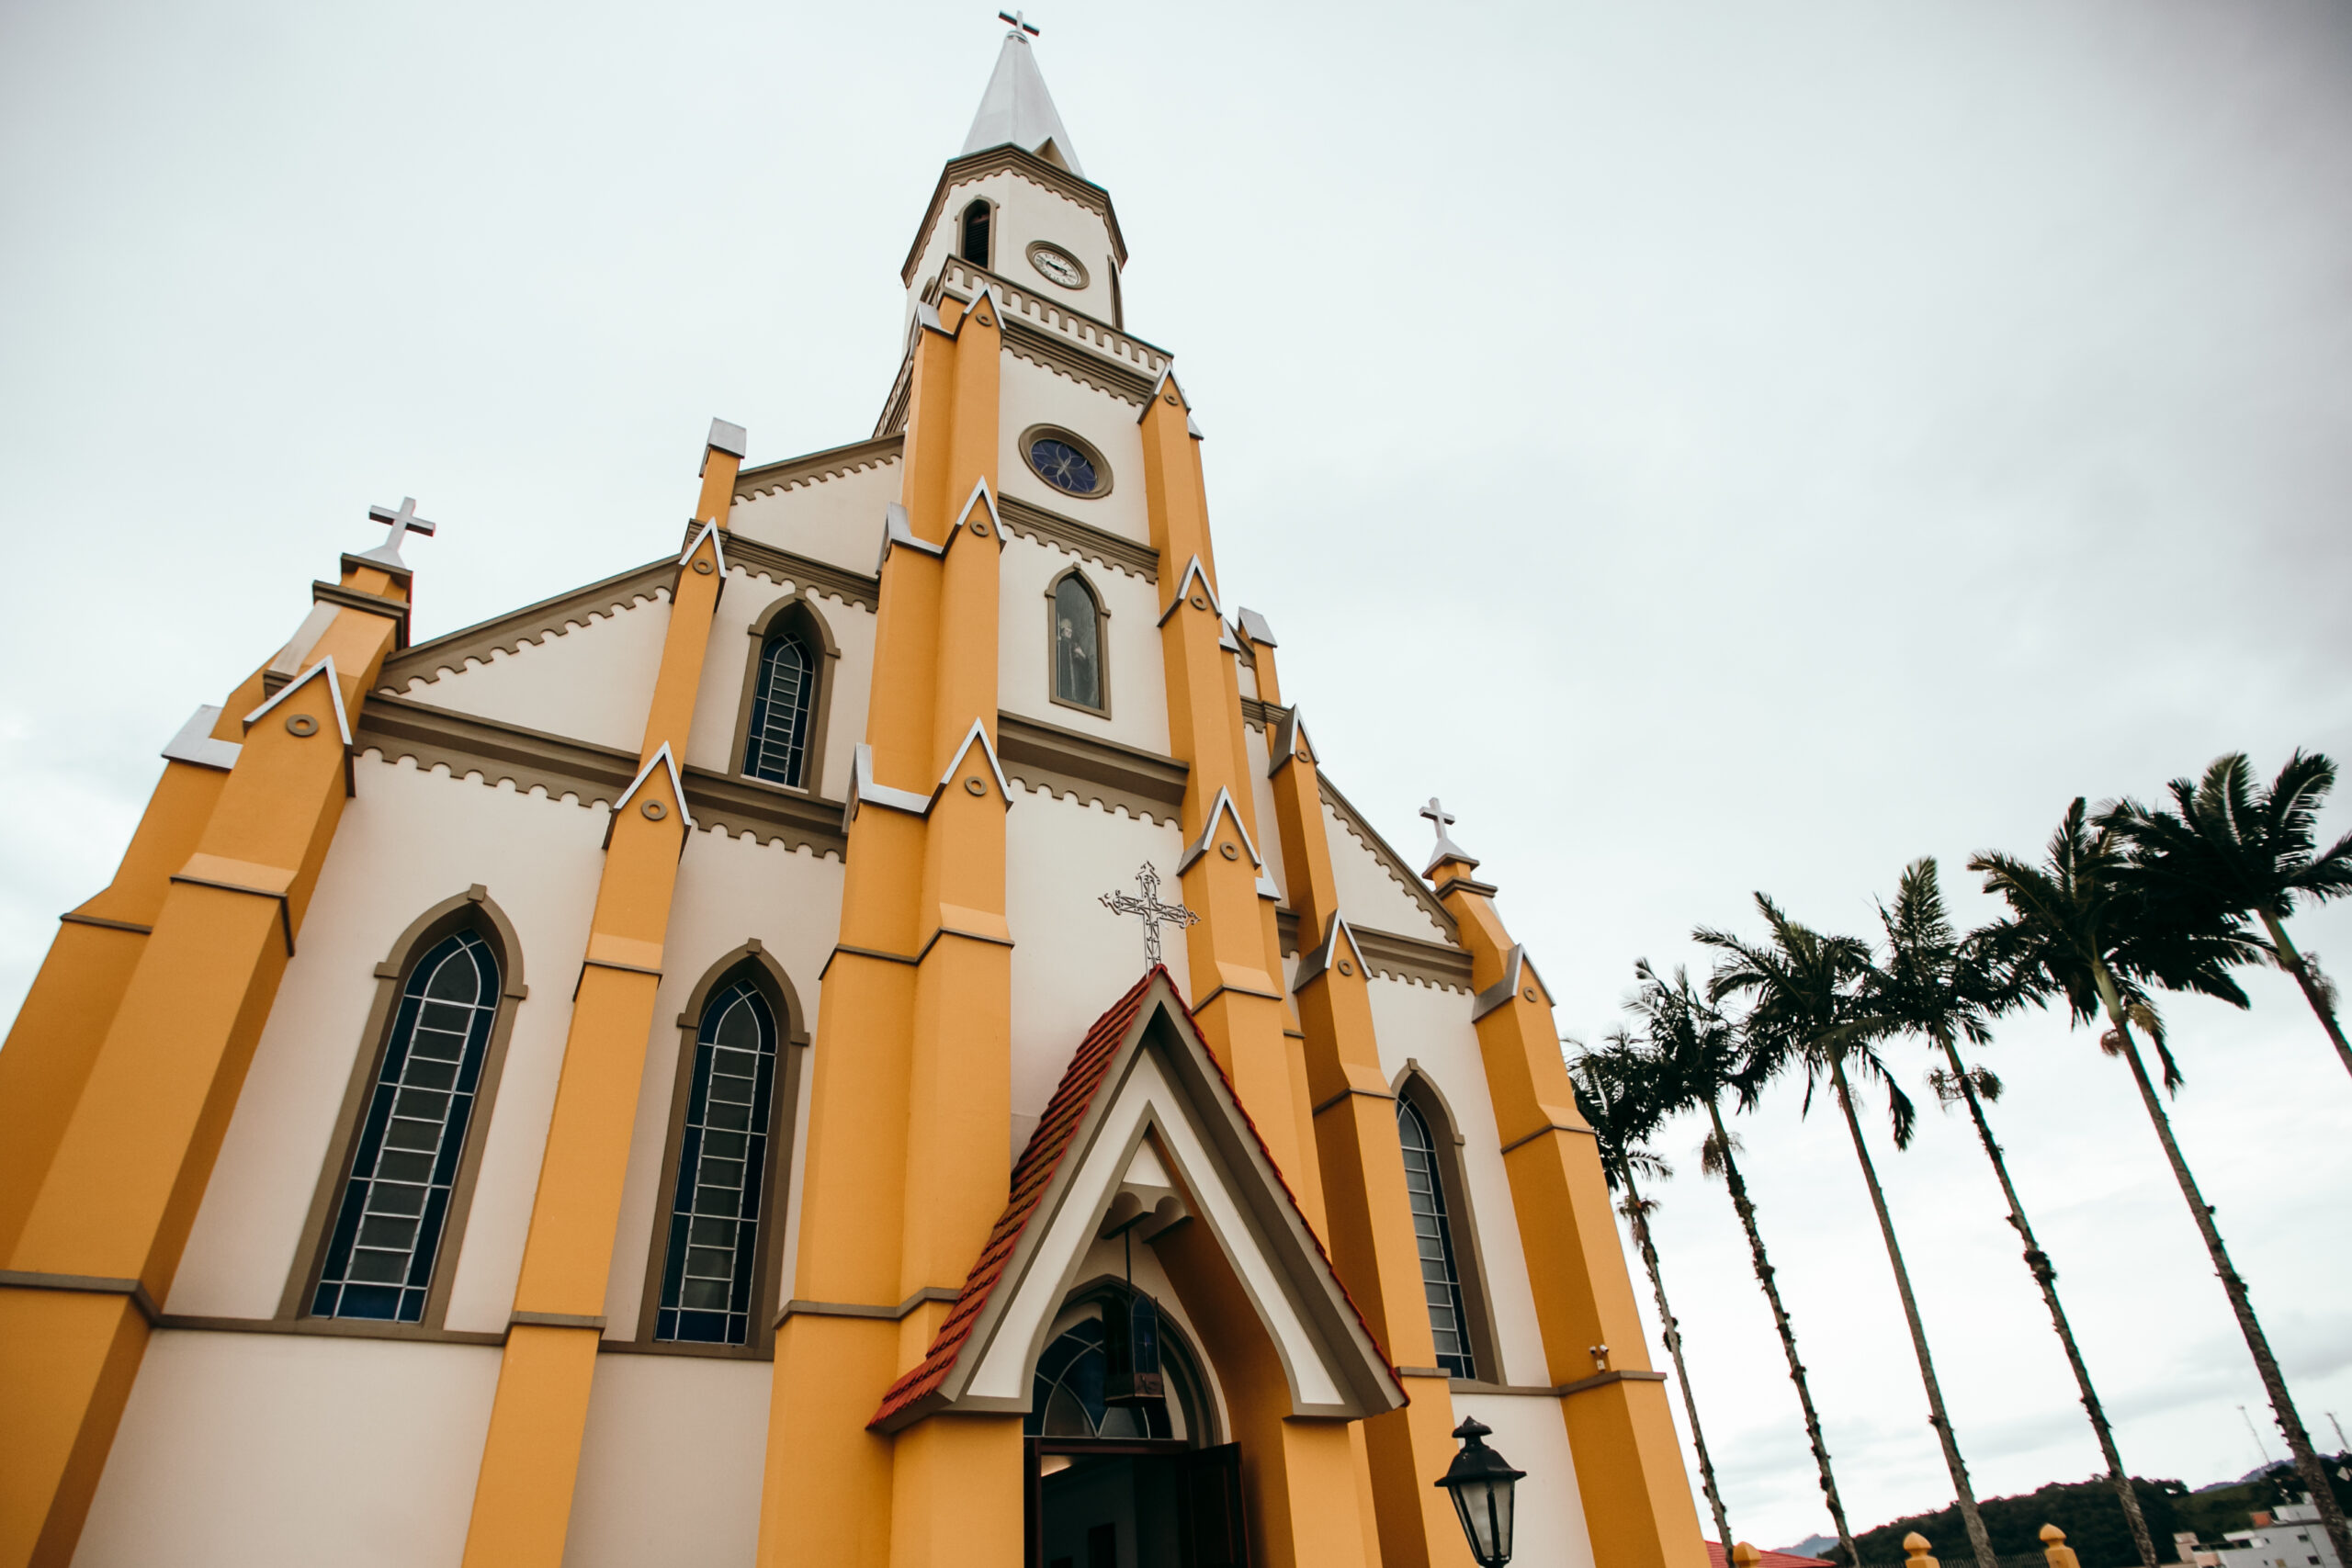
x,y
1066,461
1078,644
777,749
707,1277
1441,1277
975,248
395,1200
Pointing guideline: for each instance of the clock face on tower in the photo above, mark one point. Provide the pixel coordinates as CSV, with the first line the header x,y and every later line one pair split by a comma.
x,y
1057,266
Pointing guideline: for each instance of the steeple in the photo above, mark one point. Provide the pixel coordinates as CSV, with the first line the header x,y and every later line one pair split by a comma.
x,y
1017,109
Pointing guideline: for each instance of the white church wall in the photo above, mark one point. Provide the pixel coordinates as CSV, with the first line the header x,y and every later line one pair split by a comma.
x,y
670,1463
730,890
284,1450
1131,653
1529,1432
727,664
408,841
836,519
586,682
1433,1026
1026,211
1031,394
1268,829
1370,893
1071,957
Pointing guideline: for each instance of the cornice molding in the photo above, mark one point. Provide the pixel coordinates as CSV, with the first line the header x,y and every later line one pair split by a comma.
x,y
1399,957
531,624
1111,551
1090,769
815,467
1014,159
787,569
396,727
393,610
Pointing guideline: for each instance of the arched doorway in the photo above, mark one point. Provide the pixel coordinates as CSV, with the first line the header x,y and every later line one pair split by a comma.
x,y
1118,1479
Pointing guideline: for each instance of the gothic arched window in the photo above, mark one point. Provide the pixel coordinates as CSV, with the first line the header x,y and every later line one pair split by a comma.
x,y
1078,644
1441,1275
395,1200
777,749
709,1273
975,246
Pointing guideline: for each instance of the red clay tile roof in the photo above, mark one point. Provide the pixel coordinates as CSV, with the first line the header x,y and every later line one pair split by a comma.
x,y
1034,1173
1768,1559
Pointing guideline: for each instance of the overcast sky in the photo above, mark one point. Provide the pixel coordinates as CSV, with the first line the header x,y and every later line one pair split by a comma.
x,y
1717,448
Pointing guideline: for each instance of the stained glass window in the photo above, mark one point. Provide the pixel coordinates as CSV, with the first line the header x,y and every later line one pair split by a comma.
x,y
1064,466
707,1272
1441,1279
1078,639
778,748
387,1233
1066,1394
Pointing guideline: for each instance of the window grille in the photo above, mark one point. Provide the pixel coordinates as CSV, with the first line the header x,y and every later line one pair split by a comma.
x,y
1441,1279
1078,644
708,1273
778,748
387,1235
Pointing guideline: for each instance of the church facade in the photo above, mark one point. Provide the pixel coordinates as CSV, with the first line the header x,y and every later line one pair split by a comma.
x,y
676,1074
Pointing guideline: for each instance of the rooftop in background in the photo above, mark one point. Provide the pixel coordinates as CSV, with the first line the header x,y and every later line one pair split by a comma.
x,y
1766,1558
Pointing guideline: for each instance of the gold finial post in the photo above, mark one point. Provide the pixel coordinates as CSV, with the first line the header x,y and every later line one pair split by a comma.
x,y
1745,1556
2054,1548
1915,1547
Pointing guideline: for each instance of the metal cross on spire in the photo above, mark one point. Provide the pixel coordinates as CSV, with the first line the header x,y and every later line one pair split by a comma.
x,y
403,522
1155,913
1020,20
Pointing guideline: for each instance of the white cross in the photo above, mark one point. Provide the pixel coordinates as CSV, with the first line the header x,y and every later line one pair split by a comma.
x,y
1440,816
1020,20
403,522
1155,913
1441,819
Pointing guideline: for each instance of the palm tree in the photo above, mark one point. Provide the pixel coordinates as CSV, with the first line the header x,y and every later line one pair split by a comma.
x,y
2098,931
1614,1085
1804,988
1943,987
1693,1056
2250,850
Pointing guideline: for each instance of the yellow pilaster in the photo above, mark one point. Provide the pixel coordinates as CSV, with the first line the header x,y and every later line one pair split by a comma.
x,y
159,1038
1637,1503
911,1103
1370,1223
531,1457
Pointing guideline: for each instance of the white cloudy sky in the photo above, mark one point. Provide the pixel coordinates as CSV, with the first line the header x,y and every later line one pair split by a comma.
x,y
1718,446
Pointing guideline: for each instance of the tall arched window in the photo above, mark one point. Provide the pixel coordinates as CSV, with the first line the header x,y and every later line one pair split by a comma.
x,y
1078,644
777,749
708,1274
975,248
1441,1275
395,1199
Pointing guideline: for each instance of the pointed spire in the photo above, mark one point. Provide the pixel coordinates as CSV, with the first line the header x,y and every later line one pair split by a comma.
x,y
1017,109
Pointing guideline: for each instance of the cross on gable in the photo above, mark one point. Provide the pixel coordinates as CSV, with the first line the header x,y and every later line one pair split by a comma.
x,y
1155,913
403,522
1440,816
1020,20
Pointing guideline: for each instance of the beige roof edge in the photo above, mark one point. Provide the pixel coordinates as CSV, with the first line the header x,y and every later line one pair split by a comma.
x,y
817,465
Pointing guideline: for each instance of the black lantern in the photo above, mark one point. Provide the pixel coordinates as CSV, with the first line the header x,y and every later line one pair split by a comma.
x,y
1131,1352
1481,1481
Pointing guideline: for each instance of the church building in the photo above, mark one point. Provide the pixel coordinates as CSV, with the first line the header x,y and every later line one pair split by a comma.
x,y
871,1040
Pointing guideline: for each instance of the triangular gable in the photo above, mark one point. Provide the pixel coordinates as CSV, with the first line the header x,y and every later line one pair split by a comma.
x,y
1144,1069
1223,808
661,759
335,695
1515,966
1311,966
718,538
1291,741
1193,574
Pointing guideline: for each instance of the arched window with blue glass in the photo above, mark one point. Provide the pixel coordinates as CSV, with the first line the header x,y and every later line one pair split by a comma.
x,y
784,695
721,1177
1442,1271
418,1117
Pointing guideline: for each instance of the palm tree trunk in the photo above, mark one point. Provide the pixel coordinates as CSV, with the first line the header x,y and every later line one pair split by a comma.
x,y
1746,1212
1638,1213
2273,1384
1977,1539
2293,963
2046,1277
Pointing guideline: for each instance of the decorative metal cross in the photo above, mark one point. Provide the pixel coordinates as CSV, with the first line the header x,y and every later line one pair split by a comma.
x,y
403,522
1019,19
1155,913
1440,816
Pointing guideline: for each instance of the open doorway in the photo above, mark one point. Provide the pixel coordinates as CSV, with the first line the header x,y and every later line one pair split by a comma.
x,y
1128,1485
